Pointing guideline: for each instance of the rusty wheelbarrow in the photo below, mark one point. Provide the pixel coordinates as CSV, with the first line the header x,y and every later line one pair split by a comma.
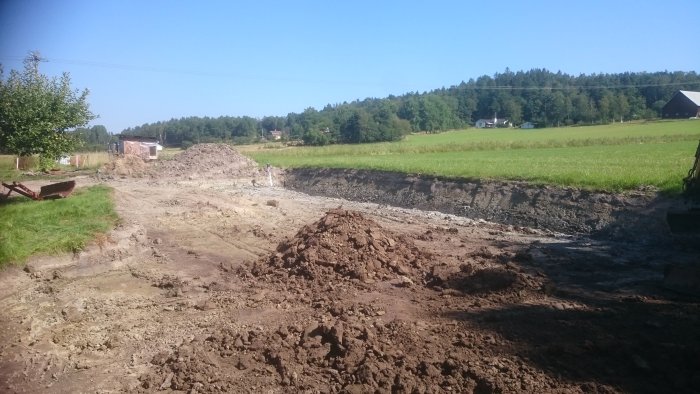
x,y
54,190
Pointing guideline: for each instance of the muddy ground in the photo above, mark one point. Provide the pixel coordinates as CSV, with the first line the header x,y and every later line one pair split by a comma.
x,y
215,281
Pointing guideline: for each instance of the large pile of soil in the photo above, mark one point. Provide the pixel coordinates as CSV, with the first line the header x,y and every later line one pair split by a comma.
x,y
125,166
345,244
207,161
348,345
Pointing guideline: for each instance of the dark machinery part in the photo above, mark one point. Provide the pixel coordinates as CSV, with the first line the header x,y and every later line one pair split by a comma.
x,y
685,225
688,221
691,183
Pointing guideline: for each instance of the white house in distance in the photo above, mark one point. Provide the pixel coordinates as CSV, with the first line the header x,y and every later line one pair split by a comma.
x,y
527,125
492,123
276,135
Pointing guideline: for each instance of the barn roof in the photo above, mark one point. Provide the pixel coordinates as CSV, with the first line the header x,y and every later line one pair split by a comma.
x,y
693,96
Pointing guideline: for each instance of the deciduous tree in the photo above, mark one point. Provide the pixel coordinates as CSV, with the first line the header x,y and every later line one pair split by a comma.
x,y
37,113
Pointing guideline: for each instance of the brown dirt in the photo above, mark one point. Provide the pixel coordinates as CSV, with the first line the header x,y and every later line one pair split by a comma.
x,y
125,166
345,244
206,286
207,161
201,161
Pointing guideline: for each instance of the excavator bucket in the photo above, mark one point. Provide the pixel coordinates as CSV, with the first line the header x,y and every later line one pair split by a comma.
x,y
54,190
688,221
57,190
685,226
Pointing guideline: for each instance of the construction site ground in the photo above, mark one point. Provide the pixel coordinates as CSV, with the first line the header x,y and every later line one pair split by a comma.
x,y
217,282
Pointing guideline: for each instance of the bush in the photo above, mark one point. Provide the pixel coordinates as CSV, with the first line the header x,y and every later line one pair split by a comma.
x,y
316,138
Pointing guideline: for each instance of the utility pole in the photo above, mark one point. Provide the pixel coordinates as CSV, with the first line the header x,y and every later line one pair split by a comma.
x,y
34,58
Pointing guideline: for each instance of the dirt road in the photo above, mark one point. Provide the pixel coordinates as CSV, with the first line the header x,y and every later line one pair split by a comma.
x,y
223,285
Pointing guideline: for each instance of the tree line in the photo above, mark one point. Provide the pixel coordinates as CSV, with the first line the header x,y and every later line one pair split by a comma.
x,y
539,96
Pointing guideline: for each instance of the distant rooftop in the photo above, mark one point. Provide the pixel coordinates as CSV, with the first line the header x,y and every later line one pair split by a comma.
x,y
693,96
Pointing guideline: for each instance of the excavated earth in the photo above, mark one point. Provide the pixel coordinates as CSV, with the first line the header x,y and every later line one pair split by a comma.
x,y
216,282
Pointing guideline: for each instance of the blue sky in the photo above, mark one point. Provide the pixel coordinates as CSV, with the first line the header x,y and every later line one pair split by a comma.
x,y
145,61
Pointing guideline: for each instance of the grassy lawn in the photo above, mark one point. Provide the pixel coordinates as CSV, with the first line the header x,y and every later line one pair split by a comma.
x,y
7,168
610,157
87,161
54,226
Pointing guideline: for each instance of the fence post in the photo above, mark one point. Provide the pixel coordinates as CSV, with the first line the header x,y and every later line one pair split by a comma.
x,y
17,163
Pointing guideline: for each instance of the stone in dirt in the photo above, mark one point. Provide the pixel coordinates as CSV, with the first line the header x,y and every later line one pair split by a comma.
x,y
346,244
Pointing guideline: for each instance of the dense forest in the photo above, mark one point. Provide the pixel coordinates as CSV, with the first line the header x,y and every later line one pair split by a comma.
x,y
94,138
538,96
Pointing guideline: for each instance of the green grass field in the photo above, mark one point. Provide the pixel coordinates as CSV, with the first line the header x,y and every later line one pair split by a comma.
x,y
88,161
7,168
48,227
612,157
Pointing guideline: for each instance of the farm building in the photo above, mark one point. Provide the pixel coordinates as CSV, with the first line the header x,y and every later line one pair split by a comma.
x,y
144,147
492,123
527,125
276,135
683,104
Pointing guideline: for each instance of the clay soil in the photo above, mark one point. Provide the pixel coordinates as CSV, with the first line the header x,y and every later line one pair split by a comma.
x,y
216,282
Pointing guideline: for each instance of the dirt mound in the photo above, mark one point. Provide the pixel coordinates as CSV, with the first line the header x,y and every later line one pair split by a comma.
x,y
123,166
485,273
344,353
208,161
346,244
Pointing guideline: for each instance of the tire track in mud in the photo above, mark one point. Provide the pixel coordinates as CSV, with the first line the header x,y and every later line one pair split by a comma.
x,y
181,231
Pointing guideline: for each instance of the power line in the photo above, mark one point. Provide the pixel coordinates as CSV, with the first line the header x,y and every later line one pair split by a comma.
x,y
127,67
574,87
131,67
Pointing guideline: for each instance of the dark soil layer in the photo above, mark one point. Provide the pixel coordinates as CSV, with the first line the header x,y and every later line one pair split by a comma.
x,y
636,215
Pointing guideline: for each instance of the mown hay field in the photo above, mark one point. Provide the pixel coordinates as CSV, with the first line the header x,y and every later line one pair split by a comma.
x,y
612,157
